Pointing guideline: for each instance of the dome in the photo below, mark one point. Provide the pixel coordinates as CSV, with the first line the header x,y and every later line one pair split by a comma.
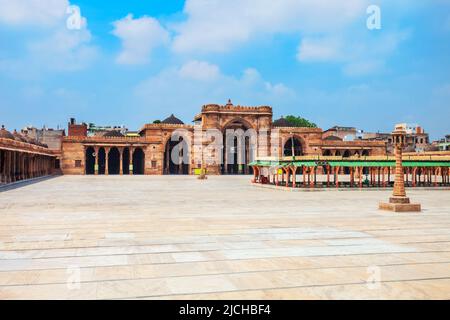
x,y
172,120
333,138
282,122
18,136
6,134
113,133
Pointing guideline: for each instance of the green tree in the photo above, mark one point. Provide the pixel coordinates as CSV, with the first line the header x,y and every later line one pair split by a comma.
x,y
300,122
157,121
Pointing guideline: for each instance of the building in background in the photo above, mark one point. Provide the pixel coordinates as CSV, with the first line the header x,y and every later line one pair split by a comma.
x,y
417,140
50,137
83,129
343,133
94,130
443,144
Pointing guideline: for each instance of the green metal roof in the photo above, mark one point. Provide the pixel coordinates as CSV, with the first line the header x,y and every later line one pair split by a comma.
x,y
426,164
304,163
265,163
362,164
349,163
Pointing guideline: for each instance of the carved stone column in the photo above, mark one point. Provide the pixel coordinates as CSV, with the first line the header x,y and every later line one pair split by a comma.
x,y
13,166
107,161
2,164
399,202
131,151
96,150
121,161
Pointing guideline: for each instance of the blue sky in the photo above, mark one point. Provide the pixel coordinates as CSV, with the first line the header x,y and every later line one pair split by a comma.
x,y
132,62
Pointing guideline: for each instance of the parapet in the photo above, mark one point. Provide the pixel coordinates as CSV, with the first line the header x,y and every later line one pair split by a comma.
x,y
237,108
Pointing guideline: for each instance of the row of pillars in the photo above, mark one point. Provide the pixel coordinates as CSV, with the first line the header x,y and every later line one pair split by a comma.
x,y
376,176
238,165
121,152
17,166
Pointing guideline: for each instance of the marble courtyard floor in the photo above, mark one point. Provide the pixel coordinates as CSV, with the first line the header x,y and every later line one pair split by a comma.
x,y
84,237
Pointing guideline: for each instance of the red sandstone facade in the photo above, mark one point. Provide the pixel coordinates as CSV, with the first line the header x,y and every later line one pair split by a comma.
x,y
150,152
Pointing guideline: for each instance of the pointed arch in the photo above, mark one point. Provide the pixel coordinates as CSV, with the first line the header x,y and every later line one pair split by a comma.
x,y
239,148
177,153
138,161
90,161
293,145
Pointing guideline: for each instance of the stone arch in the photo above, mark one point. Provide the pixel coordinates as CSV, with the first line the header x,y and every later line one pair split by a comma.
x,y
138,161
114,161
293,144
101,161
346,154
126,160
239,120
177,163
90,160
239,149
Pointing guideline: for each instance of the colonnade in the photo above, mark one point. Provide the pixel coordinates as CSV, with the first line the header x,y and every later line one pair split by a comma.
x,y
128,152
19,165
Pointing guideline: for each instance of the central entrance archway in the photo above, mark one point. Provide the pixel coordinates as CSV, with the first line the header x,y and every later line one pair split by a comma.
x,y
239,145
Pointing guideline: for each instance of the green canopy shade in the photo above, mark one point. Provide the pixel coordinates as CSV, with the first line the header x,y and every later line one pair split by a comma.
x,y
426,164
355,163
362,164
304,163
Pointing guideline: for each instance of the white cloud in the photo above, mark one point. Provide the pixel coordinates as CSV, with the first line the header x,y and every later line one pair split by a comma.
x,y
32,12
64,50
139,37
217,26
57,46
319,49
199,70
360,54
181,92
362,68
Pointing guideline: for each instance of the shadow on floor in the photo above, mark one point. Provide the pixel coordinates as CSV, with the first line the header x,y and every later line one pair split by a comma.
x,y
24,183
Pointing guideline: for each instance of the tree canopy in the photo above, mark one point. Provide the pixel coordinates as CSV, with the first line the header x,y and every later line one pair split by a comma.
x,y
300,122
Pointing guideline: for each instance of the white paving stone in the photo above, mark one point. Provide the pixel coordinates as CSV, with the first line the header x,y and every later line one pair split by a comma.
x,y
178,237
